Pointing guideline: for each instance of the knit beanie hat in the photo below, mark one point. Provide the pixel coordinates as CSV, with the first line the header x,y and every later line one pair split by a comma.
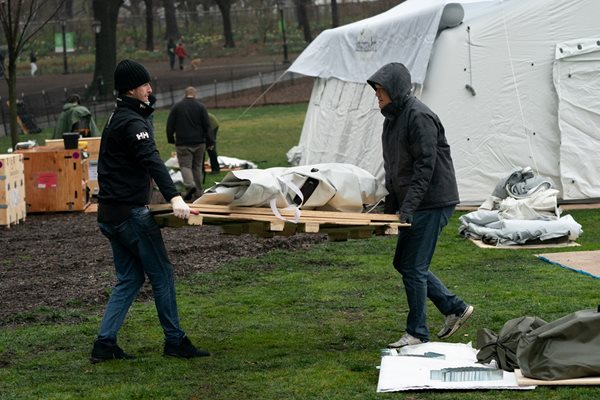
x,y
129,75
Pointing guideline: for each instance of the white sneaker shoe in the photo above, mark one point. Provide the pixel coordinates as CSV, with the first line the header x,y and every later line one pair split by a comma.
x,y
406,340
453,322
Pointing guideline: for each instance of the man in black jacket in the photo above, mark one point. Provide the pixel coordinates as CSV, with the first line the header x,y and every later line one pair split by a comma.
x,y
419,175
128,162
188,127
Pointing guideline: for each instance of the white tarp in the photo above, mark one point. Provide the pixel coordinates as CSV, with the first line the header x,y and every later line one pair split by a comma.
x,y
489,79
339,187
404,33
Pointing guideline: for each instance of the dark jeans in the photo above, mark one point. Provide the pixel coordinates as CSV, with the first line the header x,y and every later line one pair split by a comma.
x,y
212,154
414,251
138,250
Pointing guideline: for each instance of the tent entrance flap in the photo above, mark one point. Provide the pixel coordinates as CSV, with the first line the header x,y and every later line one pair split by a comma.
x,y
577,85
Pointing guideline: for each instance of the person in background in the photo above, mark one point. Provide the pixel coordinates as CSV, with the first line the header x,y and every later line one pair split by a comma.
x,y
188,127
32,62
128,162
171,53
181,54
75,118
215,168
419,175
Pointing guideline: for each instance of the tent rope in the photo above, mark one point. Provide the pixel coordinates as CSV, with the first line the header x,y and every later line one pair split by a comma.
x,y
262,95
514,76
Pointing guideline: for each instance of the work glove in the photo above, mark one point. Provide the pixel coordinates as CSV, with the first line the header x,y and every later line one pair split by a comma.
x,y
180,208
405,217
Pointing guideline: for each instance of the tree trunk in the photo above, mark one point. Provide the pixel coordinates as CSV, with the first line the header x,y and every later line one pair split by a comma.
x,y
303,18
192,9
105,11
12,97
171,20
149,25
69,9
335,19
225,8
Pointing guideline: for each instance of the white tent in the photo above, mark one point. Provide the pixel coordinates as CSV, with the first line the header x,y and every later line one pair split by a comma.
x,y
516,84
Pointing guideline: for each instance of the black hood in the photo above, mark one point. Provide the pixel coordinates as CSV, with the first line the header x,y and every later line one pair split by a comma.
x,y
395,79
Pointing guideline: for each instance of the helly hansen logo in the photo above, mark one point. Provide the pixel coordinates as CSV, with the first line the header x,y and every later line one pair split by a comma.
x,y
143,135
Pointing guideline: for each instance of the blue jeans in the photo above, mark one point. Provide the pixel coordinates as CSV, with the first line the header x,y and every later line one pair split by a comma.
x,y
414,251
139,250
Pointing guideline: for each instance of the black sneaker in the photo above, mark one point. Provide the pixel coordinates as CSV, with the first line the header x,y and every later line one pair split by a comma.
x,y
103,351
185,349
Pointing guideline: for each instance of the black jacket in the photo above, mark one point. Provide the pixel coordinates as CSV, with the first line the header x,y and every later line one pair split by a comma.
x,y
416,156
129,160
188,124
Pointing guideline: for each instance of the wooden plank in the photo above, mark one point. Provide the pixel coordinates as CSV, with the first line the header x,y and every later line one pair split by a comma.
x,y
525,381
261,221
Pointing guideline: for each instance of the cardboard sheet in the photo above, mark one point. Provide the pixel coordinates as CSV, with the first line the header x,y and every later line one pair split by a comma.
x,y
584,262
437,365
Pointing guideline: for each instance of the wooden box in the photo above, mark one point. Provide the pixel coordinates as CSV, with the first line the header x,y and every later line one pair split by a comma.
x,y
12,189
91,145
55,179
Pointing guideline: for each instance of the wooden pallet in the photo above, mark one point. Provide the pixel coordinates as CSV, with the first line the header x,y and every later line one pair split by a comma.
x,y
261,221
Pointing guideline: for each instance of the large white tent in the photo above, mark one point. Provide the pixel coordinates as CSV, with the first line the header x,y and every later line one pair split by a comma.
x,y
516,84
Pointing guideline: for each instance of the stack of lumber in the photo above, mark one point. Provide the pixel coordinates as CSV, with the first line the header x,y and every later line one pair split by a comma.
x,y
262,222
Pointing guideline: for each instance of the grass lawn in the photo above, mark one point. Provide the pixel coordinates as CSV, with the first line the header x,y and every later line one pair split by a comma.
x,y
295,325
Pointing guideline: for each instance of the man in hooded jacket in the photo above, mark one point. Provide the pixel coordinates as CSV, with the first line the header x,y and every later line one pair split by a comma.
x,y
420,179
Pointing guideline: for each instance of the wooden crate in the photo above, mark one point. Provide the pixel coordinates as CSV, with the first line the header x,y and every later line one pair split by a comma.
x,y
91,145
55,179
12,189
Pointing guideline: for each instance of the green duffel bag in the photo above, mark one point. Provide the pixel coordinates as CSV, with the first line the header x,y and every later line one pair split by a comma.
x,y
502,347
563,349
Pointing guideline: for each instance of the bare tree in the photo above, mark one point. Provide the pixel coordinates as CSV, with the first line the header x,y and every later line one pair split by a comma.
x,y
303,21
191,7
335,19
105,11
171,19
20,22
225,8
149,25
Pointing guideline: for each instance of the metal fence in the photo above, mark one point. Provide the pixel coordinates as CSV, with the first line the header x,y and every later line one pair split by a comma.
x,y
46,105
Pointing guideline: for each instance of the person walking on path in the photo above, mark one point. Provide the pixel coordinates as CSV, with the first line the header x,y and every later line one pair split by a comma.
x,y
128,162
33,63
420,177
188,127
181,54
171,53
215,167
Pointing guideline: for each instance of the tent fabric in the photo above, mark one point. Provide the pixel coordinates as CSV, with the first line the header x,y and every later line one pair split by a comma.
x,y
335,187
577,84
405,33
495,81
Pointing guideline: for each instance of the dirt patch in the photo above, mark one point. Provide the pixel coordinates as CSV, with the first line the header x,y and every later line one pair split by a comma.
x,y
61,260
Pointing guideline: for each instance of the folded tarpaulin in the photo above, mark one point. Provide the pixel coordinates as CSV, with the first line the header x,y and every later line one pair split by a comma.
x,y
490,228
334,186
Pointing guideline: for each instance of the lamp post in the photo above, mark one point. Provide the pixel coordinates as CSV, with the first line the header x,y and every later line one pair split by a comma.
x,y
280,4
63,25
